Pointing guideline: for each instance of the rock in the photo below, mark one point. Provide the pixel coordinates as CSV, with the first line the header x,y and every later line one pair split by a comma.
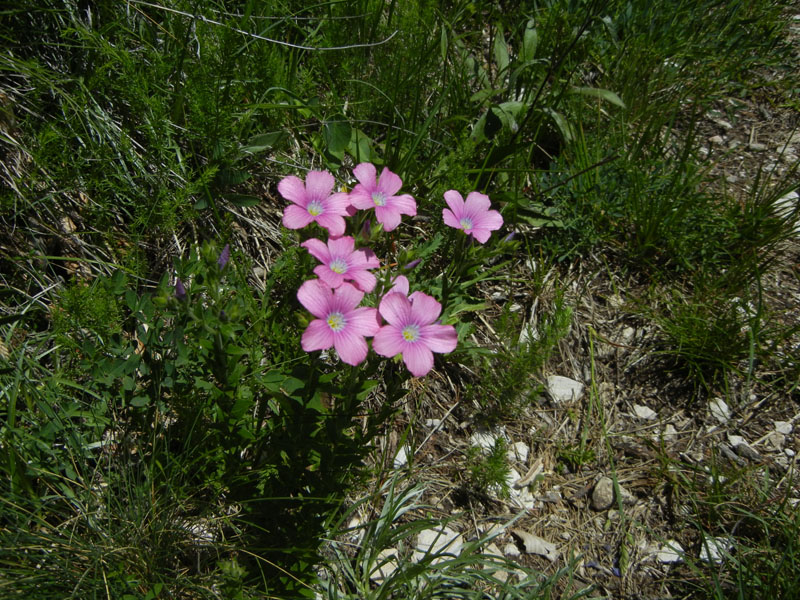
x,y
714,549
401,458
437,541
564,389
485,440
716,139
776,440
756,146
783,427
603,494
745,451
789,452
518,452
670,553
385,566
511,550
670,433
433,423
719,410
645,413
535,545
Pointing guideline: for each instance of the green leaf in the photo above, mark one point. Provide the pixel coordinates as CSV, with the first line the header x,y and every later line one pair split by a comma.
x,y
337,136
501,51
561,123
443,44
606,95
264,141
242,199
530,39
140,401
360,146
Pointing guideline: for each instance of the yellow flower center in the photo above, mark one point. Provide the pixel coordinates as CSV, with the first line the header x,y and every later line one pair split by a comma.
x,y
379,198
315,208
410,333
338,265
466,223
336,321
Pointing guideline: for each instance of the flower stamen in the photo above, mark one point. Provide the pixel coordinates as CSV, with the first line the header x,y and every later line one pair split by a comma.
x,y
410,333
336,321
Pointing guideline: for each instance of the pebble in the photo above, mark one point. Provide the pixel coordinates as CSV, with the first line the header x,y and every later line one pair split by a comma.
x,y
603,494
401,458
644,412
757,146
670,553
776,440
437,541
789,452
511,550
387,565
783,427
564,389
719,410
714,549
716,139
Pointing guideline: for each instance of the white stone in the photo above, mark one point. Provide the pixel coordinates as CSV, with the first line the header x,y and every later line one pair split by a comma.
x,y
511,550
533,544
670,553
433,423
719,410
485,440
714,549
757,146
735,440
437,541
518,451
784,427
401,458
386,565
789,452
776,440
644,412
564,389
670,433
716,139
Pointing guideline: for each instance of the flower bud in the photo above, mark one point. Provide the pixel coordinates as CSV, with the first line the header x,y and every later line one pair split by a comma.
x,y
224,256
180,291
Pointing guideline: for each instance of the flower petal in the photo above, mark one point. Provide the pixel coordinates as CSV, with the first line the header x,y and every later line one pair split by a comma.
x,y
477,203
333,223
450,219
293,189
317,336
342,246
456,204
366,175
418,359
400,285
388,217
318,249
388,341
319,185
491,220
389,183
347,297
424,309
439,338
361,198
331,278
364,321
351,347
480,235
395,308
338,204
364,279
316,297
295,217
404,204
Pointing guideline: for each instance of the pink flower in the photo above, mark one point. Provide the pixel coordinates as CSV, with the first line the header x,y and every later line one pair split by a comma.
x,y
379,194
400,284
313,201
341,261
339,323
473,216
412,332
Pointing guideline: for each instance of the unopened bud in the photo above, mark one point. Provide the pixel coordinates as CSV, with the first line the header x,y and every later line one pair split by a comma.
x,y
224,256
412,264
180,291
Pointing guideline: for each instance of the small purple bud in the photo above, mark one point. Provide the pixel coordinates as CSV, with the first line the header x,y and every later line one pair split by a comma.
x,y
366,230
509,237
180,291
412,264
224,256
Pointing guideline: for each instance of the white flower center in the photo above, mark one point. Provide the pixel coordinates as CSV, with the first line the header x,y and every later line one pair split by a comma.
x,y
338,265
379,198
466,223
315,208
410,333
336,321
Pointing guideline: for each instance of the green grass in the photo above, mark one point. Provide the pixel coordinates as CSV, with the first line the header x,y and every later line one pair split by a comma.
x,y
136,139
